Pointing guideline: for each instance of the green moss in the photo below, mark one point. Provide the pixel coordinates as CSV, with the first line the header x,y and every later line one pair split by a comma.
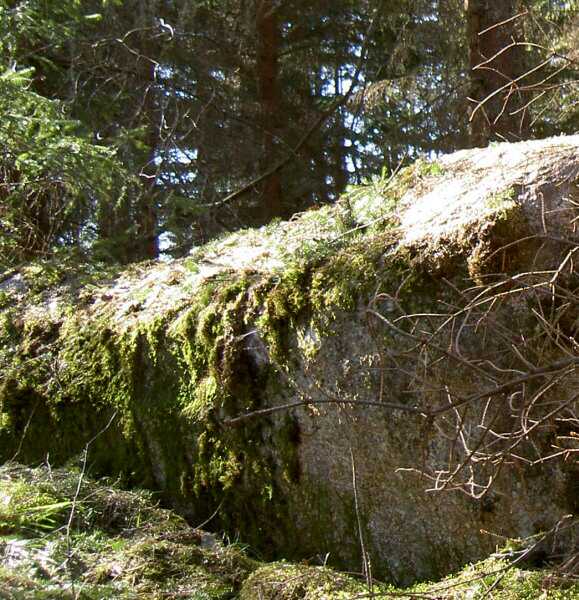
x,y
5,300
154,379
280,302
166,375
167,385
503,200
509,583
40,276
120,544
318,290
341,281
43,276
286,581
191,265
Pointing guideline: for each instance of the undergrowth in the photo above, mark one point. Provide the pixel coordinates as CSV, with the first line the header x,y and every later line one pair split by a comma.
x,y
120,544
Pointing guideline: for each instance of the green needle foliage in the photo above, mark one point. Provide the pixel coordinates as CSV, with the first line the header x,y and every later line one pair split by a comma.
x,y
54,180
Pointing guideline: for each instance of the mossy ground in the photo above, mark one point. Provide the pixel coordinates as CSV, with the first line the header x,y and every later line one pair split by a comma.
x,y
65,536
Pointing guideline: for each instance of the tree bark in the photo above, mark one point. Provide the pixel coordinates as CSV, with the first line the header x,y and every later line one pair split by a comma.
x,y
147,242
491,117
267,67
339,167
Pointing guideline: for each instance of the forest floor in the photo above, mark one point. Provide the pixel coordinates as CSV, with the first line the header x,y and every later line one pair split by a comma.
x,y
63,535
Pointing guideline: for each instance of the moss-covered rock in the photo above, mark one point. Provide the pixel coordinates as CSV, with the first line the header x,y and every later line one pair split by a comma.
x,y
290,383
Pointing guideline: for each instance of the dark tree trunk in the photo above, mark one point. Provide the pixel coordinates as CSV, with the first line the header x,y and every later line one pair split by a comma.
x,y
339,174
268,40
131,226
491,117
147,243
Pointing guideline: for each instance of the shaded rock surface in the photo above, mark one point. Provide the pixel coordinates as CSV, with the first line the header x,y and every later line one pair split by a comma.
x,y
372,383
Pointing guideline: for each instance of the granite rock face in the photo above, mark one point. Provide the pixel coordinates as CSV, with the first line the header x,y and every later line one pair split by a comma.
x,y
386,384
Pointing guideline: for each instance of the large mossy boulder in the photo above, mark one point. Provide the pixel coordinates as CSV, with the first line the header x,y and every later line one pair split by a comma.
x,y
388,383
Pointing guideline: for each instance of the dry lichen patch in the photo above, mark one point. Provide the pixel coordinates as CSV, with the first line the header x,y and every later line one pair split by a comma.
x,y
467,194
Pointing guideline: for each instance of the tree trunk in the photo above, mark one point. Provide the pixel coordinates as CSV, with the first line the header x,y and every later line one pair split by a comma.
x,y
339,168
131,226
492,118
147,242
268,40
